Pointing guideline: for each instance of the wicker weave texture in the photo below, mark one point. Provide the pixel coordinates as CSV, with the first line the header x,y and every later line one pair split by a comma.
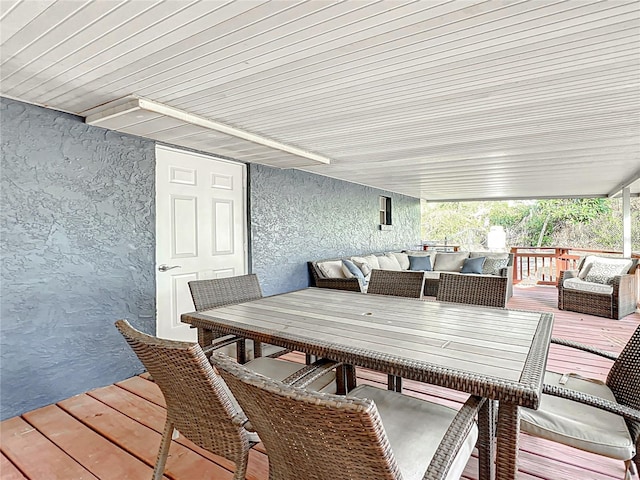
x,y
623,380
208,294
318,280
197,403
397,284
619,304
487,290
315,436
217,292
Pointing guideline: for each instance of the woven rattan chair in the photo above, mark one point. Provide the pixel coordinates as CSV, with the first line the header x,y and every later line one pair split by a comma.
x,y
602,418
199,405
370,434
217,292
622,300
397,283
487,290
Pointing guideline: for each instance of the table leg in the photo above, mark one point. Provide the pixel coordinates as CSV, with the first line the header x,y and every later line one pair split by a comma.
x,y
345,379
394,383
257,349
508,433
486,440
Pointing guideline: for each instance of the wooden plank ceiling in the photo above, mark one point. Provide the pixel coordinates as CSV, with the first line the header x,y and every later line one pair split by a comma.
x,y
442,100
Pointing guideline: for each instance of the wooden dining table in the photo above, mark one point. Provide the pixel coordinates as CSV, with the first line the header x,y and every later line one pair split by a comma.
x,y
494,353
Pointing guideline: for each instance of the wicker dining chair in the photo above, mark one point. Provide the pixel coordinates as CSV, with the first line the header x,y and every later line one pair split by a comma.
x,y
397,283
199,404
601,418
369,434
217,292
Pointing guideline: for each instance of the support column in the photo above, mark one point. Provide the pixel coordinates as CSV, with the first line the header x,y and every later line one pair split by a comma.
x,y
626,222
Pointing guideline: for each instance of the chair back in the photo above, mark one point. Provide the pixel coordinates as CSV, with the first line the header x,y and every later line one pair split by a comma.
x,y
624,377
397,283
198,403
310,435
216,292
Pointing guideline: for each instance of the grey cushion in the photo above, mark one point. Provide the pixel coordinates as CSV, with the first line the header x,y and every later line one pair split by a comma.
x,y
604,269
351,270
578,425
389,262
450,262
576,283
492,265
420,263
414,428
331,268
473,265
403,259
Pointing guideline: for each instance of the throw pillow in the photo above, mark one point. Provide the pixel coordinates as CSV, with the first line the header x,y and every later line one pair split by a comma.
x,y
352,269
603,271
403,259
473,265
420,263
389,262
372,260
492,266
331,268
450,262
362,264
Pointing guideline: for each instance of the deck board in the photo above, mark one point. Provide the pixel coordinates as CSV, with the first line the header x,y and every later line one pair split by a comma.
x,y
114,431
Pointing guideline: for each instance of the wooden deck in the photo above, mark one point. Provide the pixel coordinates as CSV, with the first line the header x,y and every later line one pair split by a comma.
x,y
114,432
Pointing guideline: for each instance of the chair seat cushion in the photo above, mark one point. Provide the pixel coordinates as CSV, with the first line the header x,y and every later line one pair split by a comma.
x,y
281,369
578,425
415,428
576,283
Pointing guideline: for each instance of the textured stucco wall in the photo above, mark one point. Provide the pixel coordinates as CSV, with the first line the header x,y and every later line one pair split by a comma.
x,y
78,249
298,216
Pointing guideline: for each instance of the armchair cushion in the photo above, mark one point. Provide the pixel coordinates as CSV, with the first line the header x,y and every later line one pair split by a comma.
x,y
576,283
582,426
604,269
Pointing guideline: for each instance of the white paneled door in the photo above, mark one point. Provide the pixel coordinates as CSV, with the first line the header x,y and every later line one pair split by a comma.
x,y
200,230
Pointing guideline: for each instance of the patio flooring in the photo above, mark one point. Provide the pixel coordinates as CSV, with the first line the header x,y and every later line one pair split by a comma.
x,y
114,432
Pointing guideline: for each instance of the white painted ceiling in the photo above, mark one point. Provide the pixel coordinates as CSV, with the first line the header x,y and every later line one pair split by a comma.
x,y
443,100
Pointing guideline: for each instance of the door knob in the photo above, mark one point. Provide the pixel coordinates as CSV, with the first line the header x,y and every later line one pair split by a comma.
x,y
164,268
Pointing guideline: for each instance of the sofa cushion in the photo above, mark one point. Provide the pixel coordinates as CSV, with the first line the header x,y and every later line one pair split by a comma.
x,y
450,262
351,270
363,264
492,266
576,283
420,263
604,269
473,265
331,268
389,262
403,259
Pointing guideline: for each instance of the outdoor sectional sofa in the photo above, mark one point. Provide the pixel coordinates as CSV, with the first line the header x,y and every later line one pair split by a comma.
x,y
445,275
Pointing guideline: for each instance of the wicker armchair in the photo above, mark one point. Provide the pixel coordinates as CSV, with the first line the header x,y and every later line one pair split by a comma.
x,y
487,290
399,284
370,434
620,303
199,405
589,415
217,292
